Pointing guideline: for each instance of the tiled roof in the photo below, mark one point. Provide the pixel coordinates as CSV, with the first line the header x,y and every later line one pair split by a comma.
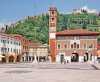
x,y
34,44
8,36
76,32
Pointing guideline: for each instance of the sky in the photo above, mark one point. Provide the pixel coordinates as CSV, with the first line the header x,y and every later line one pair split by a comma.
x,y
12,10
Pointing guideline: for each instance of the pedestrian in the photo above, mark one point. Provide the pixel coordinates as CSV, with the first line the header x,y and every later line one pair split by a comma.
x,y
64,61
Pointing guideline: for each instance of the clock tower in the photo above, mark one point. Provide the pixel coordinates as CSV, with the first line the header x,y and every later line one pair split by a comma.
x,y
52,32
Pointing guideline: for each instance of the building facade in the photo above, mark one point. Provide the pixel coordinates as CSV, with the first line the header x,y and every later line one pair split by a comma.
x,y
10,48
40,52
25,46
98,49
30,50
76,45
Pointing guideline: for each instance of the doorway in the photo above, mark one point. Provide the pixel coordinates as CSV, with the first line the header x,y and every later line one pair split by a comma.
x,y
61,58
86,57
4,59
18,58
75,57
11,59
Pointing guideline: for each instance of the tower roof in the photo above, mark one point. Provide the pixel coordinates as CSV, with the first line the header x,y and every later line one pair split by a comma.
x,y
52,8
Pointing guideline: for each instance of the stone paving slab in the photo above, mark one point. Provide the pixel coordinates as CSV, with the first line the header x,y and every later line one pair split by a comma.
x,y
97,65
37,74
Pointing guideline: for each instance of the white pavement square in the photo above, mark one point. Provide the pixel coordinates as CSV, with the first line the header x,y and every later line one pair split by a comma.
x,y
48,73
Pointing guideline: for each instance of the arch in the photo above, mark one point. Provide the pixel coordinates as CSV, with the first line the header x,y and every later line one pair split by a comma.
x,y
42,58
75,57
18,58
4,59
86,57
11,59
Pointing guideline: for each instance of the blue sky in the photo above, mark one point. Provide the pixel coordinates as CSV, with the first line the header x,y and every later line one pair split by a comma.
x,y
11,10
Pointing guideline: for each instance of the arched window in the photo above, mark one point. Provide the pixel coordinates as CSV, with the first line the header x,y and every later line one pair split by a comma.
x,y
65,46
90,46
84,46
52,19
58,46
52,12
71,45
75,45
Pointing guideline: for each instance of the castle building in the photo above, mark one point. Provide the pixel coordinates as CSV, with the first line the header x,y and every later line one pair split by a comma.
x,y
78,45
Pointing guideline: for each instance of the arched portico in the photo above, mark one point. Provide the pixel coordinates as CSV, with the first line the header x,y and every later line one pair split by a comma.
x,y
3,59
18,59
75,57
12,58
87,57
60,57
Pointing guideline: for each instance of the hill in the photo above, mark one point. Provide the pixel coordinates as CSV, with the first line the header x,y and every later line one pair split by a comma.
x,y
36,28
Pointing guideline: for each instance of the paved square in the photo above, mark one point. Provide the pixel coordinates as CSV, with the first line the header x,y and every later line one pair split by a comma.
x,y
48,73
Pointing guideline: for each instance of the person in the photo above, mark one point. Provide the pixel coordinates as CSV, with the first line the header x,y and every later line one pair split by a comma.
x,y
64,61
67,61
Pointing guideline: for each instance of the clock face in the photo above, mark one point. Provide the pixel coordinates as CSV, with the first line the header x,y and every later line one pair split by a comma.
x,y
52,35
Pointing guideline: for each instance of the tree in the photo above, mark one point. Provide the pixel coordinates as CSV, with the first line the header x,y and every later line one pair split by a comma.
x,y
84,25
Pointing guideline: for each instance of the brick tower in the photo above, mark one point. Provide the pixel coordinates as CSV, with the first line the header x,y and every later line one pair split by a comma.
x,y
52,32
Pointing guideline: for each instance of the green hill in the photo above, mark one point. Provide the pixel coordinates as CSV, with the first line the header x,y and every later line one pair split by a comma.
x,y
36,28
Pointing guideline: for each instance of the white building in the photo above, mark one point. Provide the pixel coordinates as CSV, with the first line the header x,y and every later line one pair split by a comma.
x,y
38,52
86,9
10,48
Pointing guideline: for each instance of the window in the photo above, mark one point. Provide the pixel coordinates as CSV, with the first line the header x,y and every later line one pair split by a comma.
x,y
19,44
11,42
8,42
75,45
29,58
11,49
71,45
8,49
4,50
58,46
91,46
84,46
65,46
52,19
52,12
